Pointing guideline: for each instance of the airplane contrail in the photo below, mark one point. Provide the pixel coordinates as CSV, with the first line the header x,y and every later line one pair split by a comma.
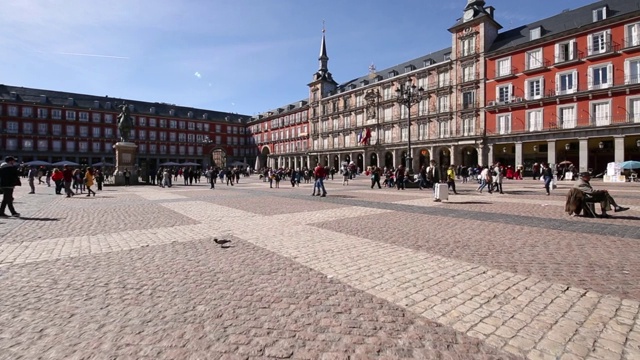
x,y
93,55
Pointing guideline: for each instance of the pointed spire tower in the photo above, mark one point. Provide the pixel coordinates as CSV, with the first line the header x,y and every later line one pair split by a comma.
x,y
322,79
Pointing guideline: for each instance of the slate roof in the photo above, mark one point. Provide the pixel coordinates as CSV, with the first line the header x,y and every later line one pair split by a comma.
x,y
83,101
384,74
563,22
289,108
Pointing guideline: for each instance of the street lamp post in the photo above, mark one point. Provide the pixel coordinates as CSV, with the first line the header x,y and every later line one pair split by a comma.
x,y
408,94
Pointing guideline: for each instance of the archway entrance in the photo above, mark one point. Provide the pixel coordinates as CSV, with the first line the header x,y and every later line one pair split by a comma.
x,y
219,158
403,159
373,159
469,156
388,160
424,158
445,161
264,155
360,162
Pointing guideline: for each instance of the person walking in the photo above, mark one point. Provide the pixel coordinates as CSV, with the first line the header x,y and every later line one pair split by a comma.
x,y
67,177
400,178
99,178
127,177
57,178
319,173
547,176
89,179
9,179
497,178
33,173
375,177
451,179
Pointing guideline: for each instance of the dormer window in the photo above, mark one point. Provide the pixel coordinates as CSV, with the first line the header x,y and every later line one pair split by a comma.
x,y
205,116
428,62
152,110
535,33
409,68
352,86
190,114
364,82
70,102
96,104
600,14
447,56
172,112
131,108
107,105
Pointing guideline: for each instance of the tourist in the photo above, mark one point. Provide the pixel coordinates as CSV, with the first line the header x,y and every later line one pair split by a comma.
x,y
33,173
9,179
67,175
451,179
88,181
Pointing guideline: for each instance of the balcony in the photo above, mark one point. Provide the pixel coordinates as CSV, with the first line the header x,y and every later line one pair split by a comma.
x,y
502,74
470,106
606,49
570,55
631,44
537,66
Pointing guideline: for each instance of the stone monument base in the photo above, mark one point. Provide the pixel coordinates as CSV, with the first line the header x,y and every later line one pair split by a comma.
x,y
125,161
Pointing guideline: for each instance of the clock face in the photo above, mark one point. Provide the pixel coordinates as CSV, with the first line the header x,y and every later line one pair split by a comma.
x,y
468,15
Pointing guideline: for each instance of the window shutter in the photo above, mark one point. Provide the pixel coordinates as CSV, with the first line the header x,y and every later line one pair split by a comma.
x,y
557,84
627,74
575,80
542,88
610,74
526,89
572,45
497,94
510,92
595,15
589,44
557,53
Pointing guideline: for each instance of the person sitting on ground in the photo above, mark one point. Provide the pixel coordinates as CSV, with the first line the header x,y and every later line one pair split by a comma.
x,y
601,196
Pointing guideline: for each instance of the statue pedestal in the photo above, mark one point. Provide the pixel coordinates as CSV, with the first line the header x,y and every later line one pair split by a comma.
x,y
125,160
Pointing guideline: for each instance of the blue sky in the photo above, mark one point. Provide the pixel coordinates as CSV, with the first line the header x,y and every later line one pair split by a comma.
x,y
242,56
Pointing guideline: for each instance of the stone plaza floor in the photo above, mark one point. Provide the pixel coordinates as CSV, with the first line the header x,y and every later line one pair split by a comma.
x,y
361,274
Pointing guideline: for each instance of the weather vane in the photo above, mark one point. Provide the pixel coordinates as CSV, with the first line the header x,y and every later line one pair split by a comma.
x,y
372,71
323,26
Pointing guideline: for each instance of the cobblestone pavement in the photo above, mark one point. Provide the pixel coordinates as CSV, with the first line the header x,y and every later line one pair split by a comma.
x,y
362,273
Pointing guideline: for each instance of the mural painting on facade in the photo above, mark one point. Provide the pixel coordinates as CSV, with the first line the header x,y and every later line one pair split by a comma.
x,y
219,158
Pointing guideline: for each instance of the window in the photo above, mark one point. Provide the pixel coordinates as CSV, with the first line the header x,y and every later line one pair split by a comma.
x,y
632,35
13,111
142,134
359,100
423,131
388,136
534,120
503,93
469,73
56,145
404,112
95,146
108,132
70,115
152,122
172,136
567,117
404,133
173,124
566,51
108,118
443,103
325,143
182,149
336,143
153,148
567,83
182,137
534,88
218,128
468,46
535,34
633,108
388,114
534,59
443,78
71,130
42,129
468,100
56,129
600,14
503,67
43,113
71,146
55,114
600,77
632,71
84,131
599,43
27,112
27,128
95,117
183,125
12,127
142,121
423,107
43,145
172,149
12,144
347,141
27,144
359,119
347,122
83,116
469,126
83,146
601,113
96,132
443,129
504,124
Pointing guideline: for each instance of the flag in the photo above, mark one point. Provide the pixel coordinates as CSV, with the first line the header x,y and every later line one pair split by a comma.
x,y
367,136
360,136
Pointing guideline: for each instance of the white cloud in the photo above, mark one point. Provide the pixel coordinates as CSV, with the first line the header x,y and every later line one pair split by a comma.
x,y
198,75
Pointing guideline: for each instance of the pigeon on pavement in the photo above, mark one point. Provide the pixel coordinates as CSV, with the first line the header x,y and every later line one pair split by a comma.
x,y
221,241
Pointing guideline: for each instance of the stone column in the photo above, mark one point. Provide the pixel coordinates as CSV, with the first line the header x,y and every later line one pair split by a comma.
x,y
551,153
584,155
481,157
295,162
519,155
453,155
490,156
618,148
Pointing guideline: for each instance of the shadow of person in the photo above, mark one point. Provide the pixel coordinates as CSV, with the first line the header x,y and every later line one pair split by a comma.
x,y
37,219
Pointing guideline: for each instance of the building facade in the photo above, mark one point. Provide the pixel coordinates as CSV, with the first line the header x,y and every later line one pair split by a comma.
x,y
558,93
54,126
547,91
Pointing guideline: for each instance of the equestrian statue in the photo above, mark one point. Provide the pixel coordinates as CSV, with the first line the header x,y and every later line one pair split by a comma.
x,y
125,124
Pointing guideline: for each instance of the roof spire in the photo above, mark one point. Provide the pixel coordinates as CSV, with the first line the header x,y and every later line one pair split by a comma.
x,y
324,59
